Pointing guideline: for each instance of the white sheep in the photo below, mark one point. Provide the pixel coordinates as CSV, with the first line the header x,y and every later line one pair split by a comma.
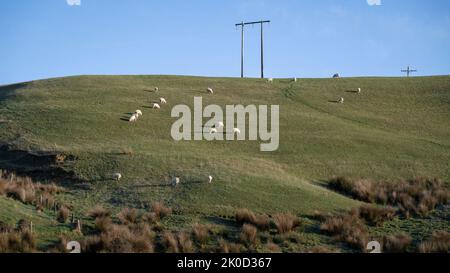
x,y
117,176
341,100
138,113
236,131
295,79
210,90
175,181
156,106
358,90
210,178
162,100
133,118
213,131
156,89
270,80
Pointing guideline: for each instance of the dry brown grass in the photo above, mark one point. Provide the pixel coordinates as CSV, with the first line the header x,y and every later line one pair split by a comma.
x,y
23,189
227,247
249,234
200,233
98,212
169,242
17,242
285,222
103,224
375,216
246,216
396,243
439,242
413,197
160,210
272,247
185,243
347,228
63,214
128,216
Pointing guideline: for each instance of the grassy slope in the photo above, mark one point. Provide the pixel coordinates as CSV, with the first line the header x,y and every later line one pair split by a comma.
x,y
396,128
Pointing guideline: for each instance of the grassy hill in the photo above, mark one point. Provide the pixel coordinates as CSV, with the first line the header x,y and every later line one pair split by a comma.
x,y
396,128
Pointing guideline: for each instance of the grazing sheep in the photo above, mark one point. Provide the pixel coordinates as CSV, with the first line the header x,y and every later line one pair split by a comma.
x,y
358,90
133,118
117,176
236,131
210,90
156,106
210,178
156,89
219,125
138,113
341,100
270,80
295,80
213,131
175,181
162,100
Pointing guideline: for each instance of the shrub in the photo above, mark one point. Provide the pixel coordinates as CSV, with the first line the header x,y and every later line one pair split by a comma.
x,y
396,243
249,234
285,222
63,214
262,222
439,242
5,227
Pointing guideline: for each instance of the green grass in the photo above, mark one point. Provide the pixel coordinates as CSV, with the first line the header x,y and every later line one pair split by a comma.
x,y
396,128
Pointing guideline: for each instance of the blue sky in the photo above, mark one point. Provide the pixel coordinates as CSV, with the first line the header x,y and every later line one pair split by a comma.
x,y
310,38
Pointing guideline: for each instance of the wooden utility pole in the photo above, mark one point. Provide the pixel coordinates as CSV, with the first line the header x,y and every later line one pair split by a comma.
x,y
408,71
242,25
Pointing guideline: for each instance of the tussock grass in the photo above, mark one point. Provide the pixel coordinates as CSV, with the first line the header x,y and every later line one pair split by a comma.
x,y
439,242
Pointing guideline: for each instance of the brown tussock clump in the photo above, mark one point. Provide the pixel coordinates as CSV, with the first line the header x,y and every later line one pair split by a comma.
x,y
285,222
439,242
249,234
396,243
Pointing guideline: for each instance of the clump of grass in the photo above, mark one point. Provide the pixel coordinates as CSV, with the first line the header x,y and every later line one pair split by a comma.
x,y
249,235
98,212
227,247
169,242
5,227
63,214
347,228
185,243
200,233
439,242
246,216
375,216
20,240
396,243
272,247
159,210
285,222
103,224
128,216
320,249
413,197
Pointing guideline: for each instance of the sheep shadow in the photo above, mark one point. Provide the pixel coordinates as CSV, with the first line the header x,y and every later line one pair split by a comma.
x,y
149,91
351,91
333,101
126,117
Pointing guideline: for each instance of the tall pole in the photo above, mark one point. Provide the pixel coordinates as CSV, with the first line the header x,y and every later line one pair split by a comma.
x,y
242,50
242,25
262,52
